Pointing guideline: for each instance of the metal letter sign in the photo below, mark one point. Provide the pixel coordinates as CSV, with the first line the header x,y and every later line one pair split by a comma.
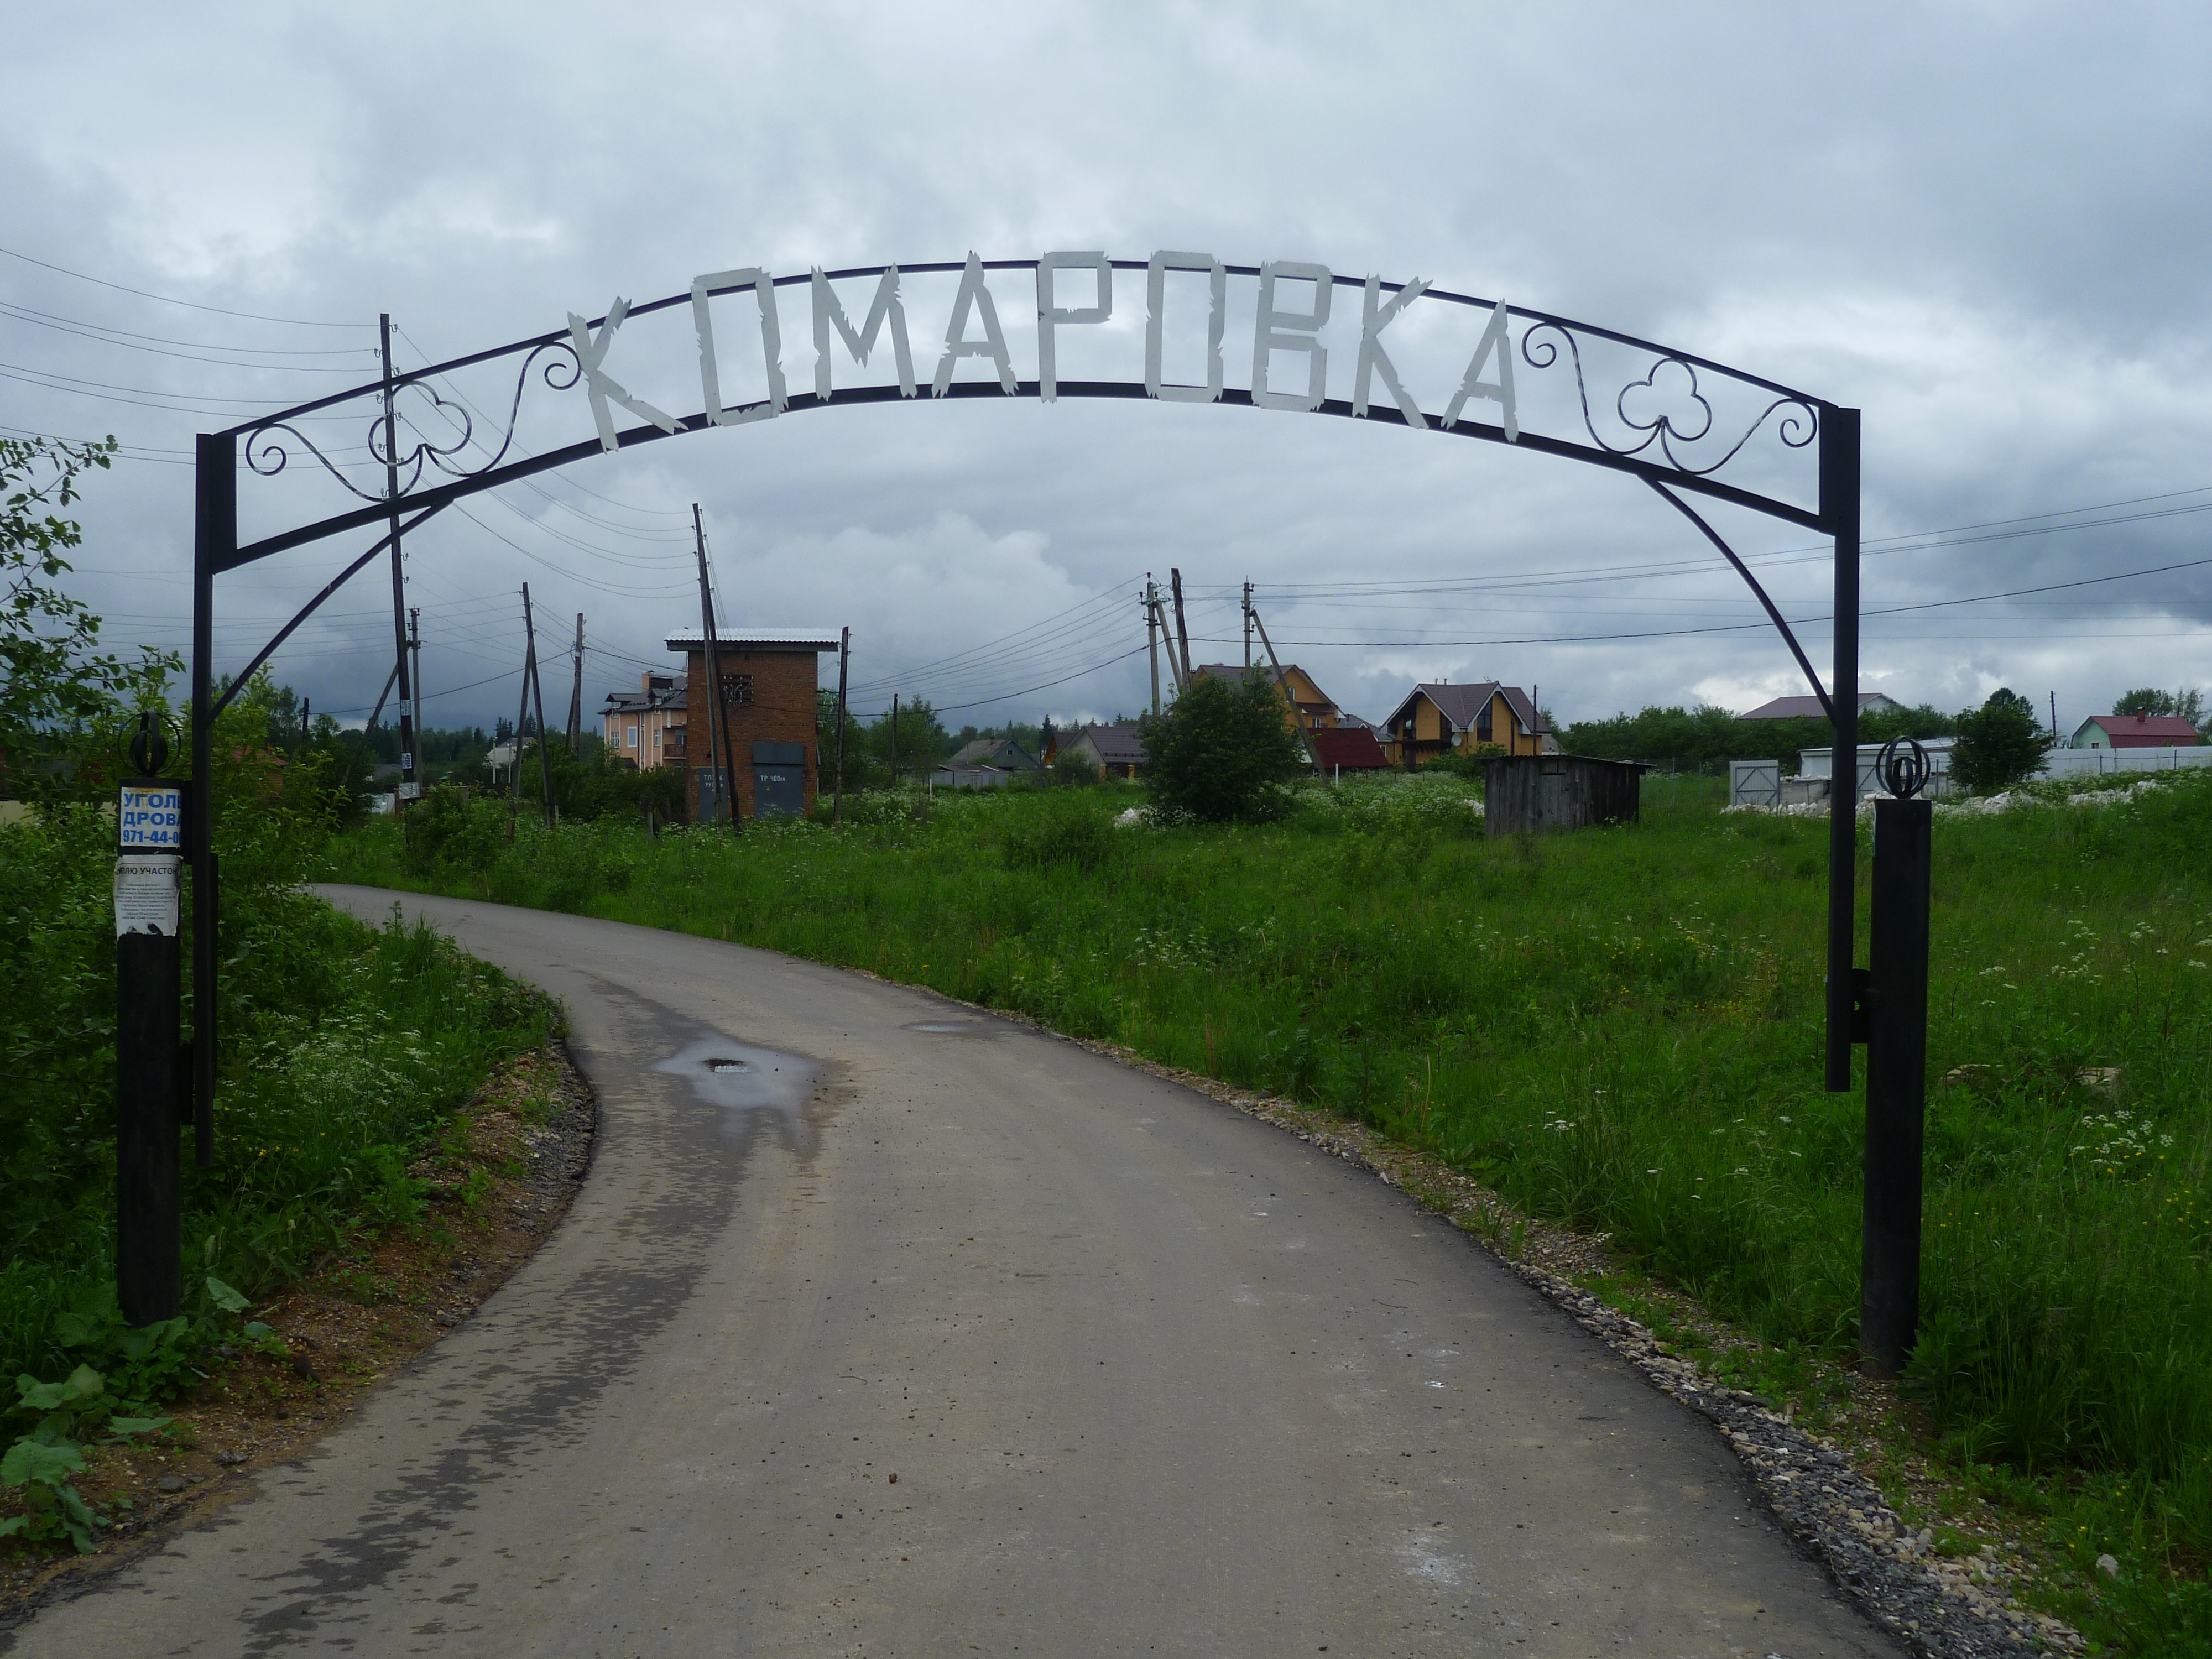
x,y
1682,424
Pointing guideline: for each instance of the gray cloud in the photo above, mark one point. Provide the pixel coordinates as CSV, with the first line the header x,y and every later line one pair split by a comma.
x,y
1982,226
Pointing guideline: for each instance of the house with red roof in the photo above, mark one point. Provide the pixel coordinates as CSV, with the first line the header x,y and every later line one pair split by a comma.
x,y
2134,732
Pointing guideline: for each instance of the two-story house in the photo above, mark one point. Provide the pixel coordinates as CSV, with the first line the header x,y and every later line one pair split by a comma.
x,y
645,728
1440,720
1306,707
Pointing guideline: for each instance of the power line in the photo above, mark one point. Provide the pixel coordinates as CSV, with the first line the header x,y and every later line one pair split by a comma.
x,y
167,300
73,325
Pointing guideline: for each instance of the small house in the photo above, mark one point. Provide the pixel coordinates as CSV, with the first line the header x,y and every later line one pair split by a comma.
x,y
1118,751
1447,720
1003,754
1807,707
2134,732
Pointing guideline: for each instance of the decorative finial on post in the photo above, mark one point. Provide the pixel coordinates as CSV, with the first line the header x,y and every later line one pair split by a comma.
x,y
1903,771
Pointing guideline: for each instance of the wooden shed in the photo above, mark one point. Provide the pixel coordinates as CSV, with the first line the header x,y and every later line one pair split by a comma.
x,y
1559,792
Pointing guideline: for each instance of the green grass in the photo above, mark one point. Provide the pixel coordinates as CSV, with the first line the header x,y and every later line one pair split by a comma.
x,y
1620,1028
345,1049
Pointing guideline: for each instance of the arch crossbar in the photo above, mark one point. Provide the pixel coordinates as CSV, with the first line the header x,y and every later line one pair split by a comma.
x,y
1671,455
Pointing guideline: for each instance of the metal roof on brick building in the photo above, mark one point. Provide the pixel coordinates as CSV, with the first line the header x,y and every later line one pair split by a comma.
x,y
756,639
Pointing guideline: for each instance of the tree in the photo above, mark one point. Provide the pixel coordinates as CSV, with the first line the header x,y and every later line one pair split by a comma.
x,y
1223,751
2000,743
62,700
2150,700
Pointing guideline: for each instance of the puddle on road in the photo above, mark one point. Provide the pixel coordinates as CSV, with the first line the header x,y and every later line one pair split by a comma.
x,y
953,1028
743,1079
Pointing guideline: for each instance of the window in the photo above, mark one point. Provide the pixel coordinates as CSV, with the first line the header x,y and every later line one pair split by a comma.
x,y
1482,725
632,742
737,691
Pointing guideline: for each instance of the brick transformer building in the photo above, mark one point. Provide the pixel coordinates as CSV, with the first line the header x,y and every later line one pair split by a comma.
x,y
769,678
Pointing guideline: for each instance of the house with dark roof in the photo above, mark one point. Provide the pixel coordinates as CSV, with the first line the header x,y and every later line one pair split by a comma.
x,y
1456,720
2134,732
1002,753
1118,751
1809,707
1306,707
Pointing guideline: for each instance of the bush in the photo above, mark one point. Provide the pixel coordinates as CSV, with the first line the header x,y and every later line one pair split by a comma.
x,y
1999,744
1223,753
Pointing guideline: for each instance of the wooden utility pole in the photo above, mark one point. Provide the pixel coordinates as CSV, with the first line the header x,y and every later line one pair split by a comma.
x,y
1248,627
399,577
1282,686
1182,628
837,789
537,691
1151,634
894,739
521,718
576,694
383,697
717,720
414,676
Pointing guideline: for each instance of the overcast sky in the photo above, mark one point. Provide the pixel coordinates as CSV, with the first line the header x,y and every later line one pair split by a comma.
x,y
1985,225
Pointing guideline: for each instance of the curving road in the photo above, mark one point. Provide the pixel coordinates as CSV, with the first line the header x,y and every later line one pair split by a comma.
x,y
884,1328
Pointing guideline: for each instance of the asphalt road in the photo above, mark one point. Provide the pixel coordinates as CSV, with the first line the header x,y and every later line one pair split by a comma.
x,y
911,1332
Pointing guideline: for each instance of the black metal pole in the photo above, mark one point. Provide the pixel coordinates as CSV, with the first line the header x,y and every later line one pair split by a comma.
x,y
398,579
837,789
1839,513
718,714
214,541
149,1178
1896,1084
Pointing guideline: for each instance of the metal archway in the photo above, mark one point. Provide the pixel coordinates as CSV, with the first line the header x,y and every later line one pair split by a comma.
x,y
1676,453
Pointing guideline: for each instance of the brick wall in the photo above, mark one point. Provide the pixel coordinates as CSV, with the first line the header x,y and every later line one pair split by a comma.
x,y
771,701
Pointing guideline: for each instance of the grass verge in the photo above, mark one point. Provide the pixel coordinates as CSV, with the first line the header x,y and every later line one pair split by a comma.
x,y
347,1050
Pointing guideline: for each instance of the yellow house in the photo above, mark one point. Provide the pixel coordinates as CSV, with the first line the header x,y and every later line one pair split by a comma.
x,y
1307,707
1439,720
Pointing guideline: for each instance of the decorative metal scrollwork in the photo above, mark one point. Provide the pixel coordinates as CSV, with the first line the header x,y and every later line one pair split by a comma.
x,y
267,456
1903,770
1799,425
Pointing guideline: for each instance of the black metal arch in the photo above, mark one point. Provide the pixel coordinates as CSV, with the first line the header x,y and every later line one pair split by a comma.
x,y
434,481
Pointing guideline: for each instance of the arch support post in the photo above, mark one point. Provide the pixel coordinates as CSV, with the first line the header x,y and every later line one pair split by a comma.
x,y
1839,513
214,543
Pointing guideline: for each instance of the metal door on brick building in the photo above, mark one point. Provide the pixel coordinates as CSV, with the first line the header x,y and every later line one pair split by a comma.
x,y
779,779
